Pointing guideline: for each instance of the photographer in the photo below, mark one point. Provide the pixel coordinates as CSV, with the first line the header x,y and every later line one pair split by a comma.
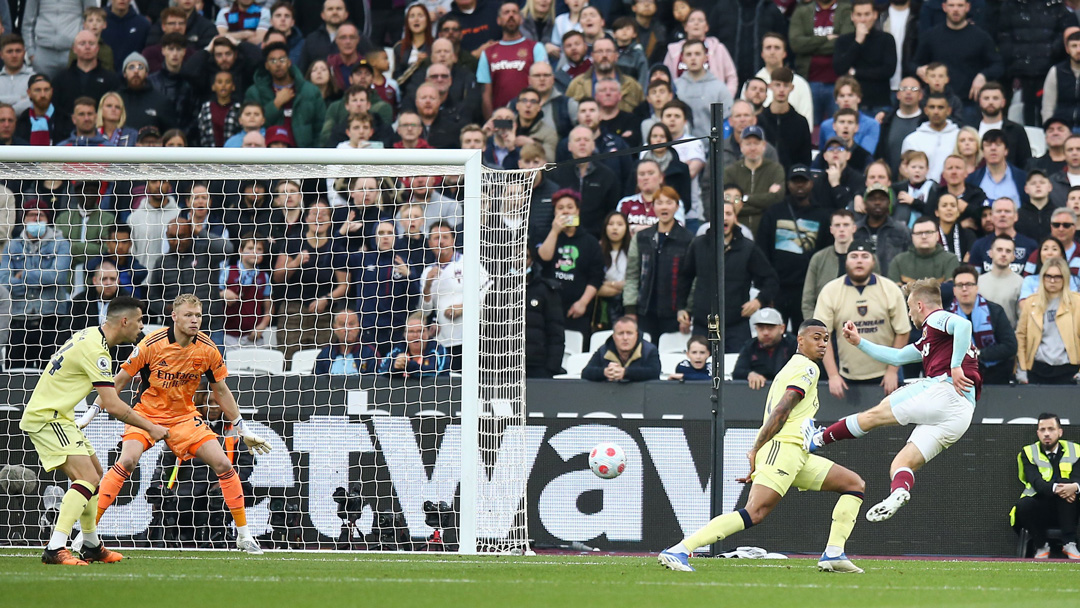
x,y
501,150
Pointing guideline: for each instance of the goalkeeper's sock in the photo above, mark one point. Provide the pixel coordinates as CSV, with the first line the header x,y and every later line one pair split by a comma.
x,y
111,485
233,493
719,528
845,428
844,515
73,504
903,478
88,522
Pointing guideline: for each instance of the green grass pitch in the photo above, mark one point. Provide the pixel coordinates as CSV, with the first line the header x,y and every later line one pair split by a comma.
x,y
192,579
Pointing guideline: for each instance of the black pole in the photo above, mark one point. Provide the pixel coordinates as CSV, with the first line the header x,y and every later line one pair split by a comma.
x,y
716,318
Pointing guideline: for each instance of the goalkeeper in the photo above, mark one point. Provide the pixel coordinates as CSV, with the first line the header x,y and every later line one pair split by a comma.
x,y
171,362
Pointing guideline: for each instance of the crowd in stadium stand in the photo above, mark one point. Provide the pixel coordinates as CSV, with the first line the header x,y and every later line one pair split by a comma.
x,y
865,146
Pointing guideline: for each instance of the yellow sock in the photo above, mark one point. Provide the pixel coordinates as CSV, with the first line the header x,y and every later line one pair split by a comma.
x,y
88,520
71,508
844,515
719,528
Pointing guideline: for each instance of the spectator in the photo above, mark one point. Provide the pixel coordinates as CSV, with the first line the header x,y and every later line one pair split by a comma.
x,y
83,119
789,234
898,123
86,225
417,356
89,306
638,208
914,191
8,119
652,269
287,217
538,23
319,44
199,30
1051,484
762,357
415,45
588,115
287,99
1063,228
154,210
575,60
112,120
829,263
813,32
1029,35
774,55
761,180
1004,217
501,150
698,87
357,101
530,126
479,26
658,94
1034,215
190,266
614,244
597,184
652,33
16,74
676,116
1057,131
202,67
619,123
173,20
715,56
1063,180
204,222
991,331
992,105
573,258
1001,284
603,67
1048,330
219,118
544,323
696,365
385,289
952,236
443,290
132,274
244,21
245,288
886,236
785,126
553,104
49,28
927,259
842,178
42,124
1059,96
937,136
248,212
169,82
346,60
632,58
742,116
968,147
866,132
676,173
970,200
868,54
1049,247
86,76
877,307
624,357
34,268
145,105
966,49
312,271
504,67
744,266
346,355
125,32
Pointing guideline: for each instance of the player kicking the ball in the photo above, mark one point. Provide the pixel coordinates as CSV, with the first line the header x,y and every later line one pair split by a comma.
x,y
81,365
779,461
940,405
171,362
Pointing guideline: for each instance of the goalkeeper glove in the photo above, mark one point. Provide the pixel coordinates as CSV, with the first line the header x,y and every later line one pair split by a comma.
x,y
88,415
255,444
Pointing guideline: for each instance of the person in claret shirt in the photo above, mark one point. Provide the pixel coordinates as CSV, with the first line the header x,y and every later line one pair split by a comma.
x,y
246,292
815,26
638,208
504,67
219,118
386,88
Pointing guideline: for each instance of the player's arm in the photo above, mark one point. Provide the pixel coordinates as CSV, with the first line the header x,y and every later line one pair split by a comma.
x,y
120,381
960,329
111,402
886,354
227,402
777,418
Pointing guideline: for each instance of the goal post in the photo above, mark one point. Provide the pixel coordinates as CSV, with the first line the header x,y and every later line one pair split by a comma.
x,y
485,399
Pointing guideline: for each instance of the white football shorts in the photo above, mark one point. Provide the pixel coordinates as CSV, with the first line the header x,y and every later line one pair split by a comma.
x,y
940,414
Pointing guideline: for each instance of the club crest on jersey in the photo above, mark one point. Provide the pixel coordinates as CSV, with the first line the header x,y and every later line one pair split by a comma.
x,y
196,363
862,310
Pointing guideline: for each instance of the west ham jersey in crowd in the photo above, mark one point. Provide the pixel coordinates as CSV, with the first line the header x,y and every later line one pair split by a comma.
x,y
936,346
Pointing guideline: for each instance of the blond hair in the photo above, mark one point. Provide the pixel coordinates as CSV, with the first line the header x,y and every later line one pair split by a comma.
x,y
186,298
123,109
927,291
1066,276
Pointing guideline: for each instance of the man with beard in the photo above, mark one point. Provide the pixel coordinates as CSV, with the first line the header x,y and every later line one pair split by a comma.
x,y
574,60
287,99
441,127
145,106
992,105
604,56
504,67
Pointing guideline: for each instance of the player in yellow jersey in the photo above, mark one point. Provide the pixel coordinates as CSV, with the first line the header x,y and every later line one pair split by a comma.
x,y
779,461
81,365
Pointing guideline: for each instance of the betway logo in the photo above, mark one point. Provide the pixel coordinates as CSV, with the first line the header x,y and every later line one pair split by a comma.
x,y
506,64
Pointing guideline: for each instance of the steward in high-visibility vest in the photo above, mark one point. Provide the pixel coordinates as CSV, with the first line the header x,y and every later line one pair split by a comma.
x,y
1051,497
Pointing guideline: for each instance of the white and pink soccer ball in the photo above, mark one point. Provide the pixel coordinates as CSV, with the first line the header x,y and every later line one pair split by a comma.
x,y
607,460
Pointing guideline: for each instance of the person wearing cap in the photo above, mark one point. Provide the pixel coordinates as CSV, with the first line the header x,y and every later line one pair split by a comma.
x,y
926,259
287,99
877,307
742,116
783,125
42,124
760,179
1033,217
1057,131
887,237
278,137
145,105
762,357
34,268
745,266
840,180
1060,97
789,234
847,128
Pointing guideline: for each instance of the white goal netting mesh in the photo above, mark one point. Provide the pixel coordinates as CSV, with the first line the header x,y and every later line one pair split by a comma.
x,y
336,294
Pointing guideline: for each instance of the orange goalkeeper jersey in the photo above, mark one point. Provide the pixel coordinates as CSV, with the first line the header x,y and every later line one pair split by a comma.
x,y
170,374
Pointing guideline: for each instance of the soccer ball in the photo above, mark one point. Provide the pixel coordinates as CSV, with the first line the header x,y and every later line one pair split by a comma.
x,y
607,460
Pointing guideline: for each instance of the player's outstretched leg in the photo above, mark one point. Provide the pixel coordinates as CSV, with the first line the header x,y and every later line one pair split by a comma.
x,y
762,500
851,488
903,468
851,427
232,491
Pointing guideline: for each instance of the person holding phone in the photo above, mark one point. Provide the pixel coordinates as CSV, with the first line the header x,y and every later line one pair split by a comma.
x,y
501,151
573,258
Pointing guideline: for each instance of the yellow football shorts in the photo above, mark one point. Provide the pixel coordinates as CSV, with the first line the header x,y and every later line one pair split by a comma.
x,y
781,465
57,440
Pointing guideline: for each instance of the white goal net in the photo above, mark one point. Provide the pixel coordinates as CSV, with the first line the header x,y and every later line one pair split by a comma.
x,y
370,310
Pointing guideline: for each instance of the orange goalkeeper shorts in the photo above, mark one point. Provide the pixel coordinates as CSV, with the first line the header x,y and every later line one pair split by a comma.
x,y
185,438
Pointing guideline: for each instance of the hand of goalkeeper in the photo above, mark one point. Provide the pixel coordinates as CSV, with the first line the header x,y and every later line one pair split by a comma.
x,y
255,444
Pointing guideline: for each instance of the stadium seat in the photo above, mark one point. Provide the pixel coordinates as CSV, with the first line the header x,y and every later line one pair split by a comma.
x,y
574,364
598,338
303,361
255,360
673,342
669,361
1037,141
573,342
729,364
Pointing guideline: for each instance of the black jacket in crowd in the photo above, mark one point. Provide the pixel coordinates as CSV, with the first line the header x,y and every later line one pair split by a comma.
x,y
1029,36
790,133
658,264
911,40
73,83
765,361
544,327
600,192
967,52
740,24
874,61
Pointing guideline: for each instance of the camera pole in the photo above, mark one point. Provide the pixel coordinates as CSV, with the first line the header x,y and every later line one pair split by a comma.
x,y
716,318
